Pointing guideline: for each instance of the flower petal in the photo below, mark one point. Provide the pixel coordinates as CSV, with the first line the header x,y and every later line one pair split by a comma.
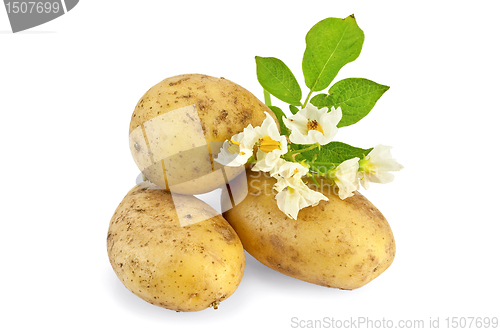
x,y
326,121
294,195
346,177
376,166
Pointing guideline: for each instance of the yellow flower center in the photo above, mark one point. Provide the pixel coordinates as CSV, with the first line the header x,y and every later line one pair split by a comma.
x,y
290,190
314,125
233,147
267,144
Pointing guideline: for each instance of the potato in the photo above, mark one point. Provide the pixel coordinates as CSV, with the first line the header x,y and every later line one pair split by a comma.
x,y
178,128
174,251
338,243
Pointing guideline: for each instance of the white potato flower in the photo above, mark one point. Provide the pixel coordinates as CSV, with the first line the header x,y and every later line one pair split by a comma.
x,y
375,167
232,155
288,170
236,151
271,145
346,177
294,195
312,125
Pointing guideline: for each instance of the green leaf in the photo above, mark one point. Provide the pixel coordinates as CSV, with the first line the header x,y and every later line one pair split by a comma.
x,y
293,109
333,152
277,79
356,97
330,44
279,115
322,100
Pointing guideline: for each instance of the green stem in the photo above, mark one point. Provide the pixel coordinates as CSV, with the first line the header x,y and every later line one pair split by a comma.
x,y
290,155
314,146
322,168
307,99
322,163
310,175
267,98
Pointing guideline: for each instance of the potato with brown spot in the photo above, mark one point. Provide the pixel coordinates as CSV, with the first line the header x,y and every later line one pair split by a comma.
x,y
338,243
179,125
174,251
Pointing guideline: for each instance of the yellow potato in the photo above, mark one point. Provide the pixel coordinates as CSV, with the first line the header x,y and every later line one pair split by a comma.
x,y
338,243
174,251
179,125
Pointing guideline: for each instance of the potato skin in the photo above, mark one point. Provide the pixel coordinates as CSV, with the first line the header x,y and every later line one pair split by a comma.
x,y
196,110
180,268
340,243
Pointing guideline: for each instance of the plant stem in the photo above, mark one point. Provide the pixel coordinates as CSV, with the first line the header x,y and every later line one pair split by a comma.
x,y
314,146
290,155
322,163
267,98
310,175
307,99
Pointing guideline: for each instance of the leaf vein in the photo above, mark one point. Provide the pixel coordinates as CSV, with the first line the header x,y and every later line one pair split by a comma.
x,y
329,58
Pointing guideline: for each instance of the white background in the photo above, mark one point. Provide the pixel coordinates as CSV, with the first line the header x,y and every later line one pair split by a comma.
x,y
68,89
